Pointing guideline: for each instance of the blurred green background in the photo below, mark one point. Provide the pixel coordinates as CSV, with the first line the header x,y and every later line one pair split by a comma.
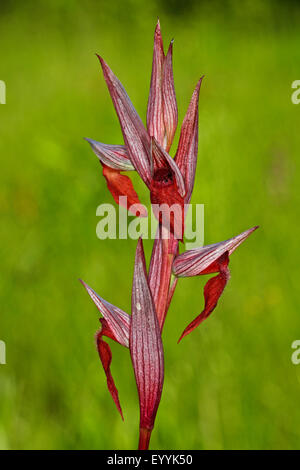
x,y
230,384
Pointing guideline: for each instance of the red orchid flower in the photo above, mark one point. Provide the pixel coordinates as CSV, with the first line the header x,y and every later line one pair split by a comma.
x,y
207,260
141,333
170,182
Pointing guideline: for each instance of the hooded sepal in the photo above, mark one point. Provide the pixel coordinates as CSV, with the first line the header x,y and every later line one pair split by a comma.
x,y
162,114
155,121
145,344
187,151
114,156
203,260
170,111
136,138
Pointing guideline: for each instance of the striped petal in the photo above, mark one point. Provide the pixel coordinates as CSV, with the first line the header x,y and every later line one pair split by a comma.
x,y
117,320
145,345
155,121
162,114
114,156
186,155
203,260
170,112
136,139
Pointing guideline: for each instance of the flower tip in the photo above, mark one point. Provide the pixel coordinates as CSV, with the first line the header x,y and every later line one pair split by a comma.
x,y
181,338
83,283
90,141
170,50
251,230
157,35
200,81
102,61
140,247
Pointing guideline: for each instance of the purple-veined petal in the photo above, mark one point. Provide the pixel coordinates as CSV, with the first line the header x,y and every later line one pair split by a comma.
x,y
186,155
155,120
170,112
202,260
117,320
136,139
145,344
114,156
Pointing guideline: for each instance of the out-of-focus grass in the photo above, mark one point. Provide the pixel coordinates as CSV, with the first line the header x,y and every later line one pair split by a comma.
x,y
231,383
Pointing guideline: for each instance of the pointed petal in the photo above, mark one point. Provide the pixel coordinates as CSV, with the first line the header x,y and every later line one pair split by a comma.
x,y
170,111
121,185
212,292
203,260
155,121
145,343
114,156
186,155
106,358
161,159
117,320
136,139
